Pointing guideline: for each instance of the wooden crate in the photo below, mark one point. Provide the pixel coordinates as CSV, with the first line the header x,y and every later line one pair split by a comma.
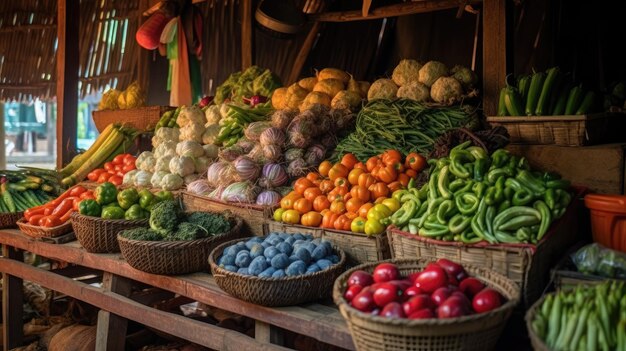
x,y
254,216
526,264
359,248
143,118
563,130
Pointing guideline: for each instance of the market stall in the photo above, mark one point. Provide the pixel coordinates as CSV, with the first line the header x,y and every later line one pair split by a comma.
x,y
418,207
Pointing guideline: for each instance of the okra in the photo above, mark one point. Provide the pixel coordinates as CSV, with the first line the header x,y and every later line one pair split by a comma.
x,y
574,100
501,107
546,92
536,85
587,103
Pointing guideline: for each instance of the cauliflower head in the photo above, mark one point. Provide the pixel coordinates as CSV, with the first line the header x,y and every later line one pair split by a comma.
x,y
182,165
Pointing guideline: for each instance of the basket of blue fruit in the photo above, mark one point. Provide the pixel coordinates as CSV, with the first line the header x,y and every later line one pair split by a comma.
x,y
277,270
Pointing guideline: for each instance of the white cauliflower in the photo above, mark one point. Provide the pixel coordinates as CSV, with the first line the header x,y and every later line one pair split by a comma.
x,y
182,165
171,182
447,91
163,134
212,115
210,134
157,178
189,148
210,151
190,114
166,148
129,178
192,131
202,164
142,178
163,163
146,161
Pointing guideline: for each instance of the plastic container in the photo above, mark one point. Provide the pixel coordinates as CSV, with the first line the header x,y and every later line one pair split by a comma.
x,y
608,220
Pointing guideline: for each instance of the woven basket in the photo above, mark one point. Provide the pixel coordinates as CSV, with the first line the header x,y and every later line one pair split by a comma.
x,y
473,332
36,231
9,220
254,216
99,235
359,248
286,291
538,344
175,257
142,118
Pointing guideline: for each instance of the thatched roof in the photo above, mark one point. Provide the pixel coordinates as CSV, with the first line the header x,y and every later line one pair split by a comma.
x,y
28,33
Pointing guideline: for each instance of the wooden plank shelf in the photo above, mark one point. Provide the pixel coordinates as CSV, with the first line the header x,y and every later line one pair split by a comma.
x,y
319,321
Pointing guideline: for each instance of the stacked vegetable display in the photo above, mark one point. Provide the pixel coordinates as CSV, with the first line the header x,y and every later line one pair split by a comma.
x,y
471,197
253,83
545,94
26,188
442,290
585,318
350,195
58,211
113,171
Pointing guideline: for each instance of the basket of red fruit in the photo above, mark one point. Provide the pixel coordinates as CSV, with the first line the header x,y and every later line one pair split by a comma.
x,y
404,304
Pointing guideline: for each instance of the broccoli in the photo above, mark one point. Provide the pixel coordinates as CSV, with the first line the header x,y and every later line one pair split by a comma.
x,y
187,231
164,217
210,223
144,234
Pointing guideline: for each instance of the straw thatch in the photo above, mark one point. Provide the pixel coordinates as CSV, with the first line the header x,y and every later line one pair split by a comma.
x,y
28,34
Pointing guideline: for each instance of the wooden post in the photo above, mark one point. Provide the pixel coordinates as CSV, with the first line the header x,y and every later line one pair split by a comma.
x,y
12,303
247,52
268,333
496,49
307,45
111,332
67,78
3,151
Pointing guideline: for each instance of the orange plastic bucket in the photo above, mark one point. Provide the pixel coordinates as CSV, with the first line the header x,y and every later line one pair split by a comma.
x,y
608,220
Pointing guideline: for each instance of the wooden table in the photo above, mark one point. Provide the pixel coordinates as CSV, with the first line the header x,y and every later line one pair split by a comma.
x,y
318,321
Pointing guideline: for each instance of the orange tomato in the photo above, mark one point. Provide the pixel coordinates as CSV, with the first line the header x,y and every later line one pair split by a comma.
x,y
349,160
403,179
311,193
390,157
341,181
326,186
324,168
118,168
347,197
353,176
415,161
338,207
353,205
334,195
312,176
301,185
360,165
398,166
393,186
129,159
342,223
360,192
321,203
379,200
379,189
362,212
372,162
128,168
387,174
302,205
338,171
287,202
311,219
328,220
366,180
293,193
342,190
324,212
411,173
351,215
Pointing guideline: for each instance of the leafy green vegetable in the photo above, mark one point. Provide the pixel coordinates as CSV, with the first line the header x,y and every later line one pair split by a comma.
x,y
266,83
187,231
144,234
211,223
164,217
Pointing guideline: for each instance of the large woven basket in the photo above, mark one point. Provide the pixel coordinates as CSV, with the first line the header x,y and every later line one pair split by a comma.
x,y
9,220
143,118
99,235
175,257
36,231
473,332
535,340
286,291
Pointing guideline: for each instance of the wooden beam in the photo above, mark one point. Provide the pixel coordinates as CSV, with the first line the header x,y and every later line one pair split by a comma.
x,y
3,154
68,17
401,9
111,333
496,51
268,333
307,45
12,302
247,52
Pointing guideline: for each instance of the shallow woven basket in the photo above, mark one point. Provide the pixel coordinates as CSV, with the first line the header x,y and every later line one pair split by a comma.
x,y
99,235
175,257
9,220
286,291
473,332
36,231
535,340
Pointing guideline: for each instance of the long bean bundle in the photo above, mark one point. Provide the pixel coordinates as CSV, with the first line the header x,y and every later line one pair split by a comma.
x,y
404,125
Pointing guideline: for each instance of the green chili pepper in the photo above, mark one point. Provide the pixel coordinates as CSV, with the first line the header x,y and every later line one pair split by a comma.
x,y
480,168
558,184
478,153
458,170
490,213
550,198
499,158
512,212
496,173
446,209
411,184
490,196
468,238
423,192
443,182
564,198
519,222
432,187
504,205
523,84
523,164
513,101
413,229
469,185
459,223
466,203
534,92
434,204
522,197
508,193
504,237
433,232
457,184
523,234
546,219
501,107
477,222
405,213
528,180
513,184
547,176
442,162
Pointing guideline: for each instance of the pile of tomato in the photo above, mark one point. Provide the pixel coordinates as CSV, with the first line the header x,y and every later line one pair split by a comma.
x,y
114,170
351,195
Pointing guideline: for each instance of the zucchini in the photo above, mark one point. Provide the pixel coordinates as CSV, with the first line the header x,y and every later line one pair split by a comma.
x,y
501,107
587,103
523,85
536,85
574,100
561,101
546,92
512,101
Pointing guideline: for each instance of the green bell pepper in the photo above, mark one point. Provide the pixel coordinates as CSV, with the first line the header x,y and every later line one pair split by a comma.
x,y
113,212
146,199
105,193
164,195
89,207
134,212
128,197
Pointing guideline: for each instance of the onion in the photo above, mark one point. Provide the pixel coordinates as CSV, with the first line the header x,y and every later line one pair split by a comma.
x,y
272,153
221,173
199,187
299,140
293,153
216,193
297,168
254,130
329,141
303,124
246,168
246,145
272,136
314,155
231,153
240,192
274,175
282,118
257,154
268,198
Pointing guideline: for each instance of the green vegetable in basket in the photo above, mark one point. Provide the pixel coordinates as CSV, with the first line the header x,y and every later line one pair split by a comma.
x,y
113,212
105,193
128,197
146,199
164,195
135,212
89,207
164,217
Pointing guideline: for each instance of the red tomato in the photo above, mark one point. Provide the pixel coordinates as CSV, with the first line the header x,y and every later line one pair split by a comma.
x,y
87,195
103,177
116,180
422,314
118,168
453,307
361,278
77,190
486,300
109,166
119,159
418,302
364,301
386,293
432,278
120,174
129,159
93,175
351,292
454,269
392,310
385,272
111,172
128,168
471,286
